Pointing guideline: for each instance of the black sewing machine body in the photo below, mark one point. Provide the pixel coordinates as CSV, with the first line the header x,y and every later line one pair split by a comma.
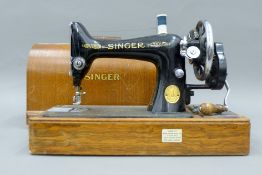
x,y
164,50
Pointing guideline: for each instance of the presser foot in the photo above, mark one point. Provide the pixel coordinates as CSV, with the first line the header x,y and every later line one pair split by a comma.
x,y
78,96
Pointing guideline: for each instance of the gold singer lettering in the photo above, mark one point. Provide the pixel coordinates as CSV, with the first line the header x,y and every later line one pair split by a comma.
x,y
115,46
108,77
126,46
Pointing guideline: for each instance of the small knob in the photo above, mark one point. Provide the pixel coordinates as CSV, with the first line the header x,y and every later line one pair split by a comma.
x,y
79,63
179,73
193,52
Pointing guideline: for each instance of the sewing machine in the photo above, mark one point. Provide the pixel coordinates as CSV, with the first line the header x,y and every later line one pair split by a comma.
x,y
168,51
168,119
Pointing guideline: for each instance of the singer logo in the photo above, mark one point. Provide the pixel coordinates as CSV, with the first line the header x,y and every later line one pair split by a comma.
x,y
111,46
101,76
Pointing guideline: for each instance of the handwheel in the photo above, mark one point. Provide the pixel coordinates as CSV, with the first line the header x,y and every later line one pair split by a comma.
x,y
206,42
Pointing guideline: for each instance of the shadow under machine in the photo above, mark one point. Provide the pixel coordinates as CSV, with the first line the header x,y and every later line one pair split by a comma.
x,y
119,120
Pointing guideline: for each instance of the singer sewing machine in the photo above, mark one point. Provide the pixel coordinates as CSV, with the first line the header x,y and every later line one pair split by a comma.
x,y
168,52
168,125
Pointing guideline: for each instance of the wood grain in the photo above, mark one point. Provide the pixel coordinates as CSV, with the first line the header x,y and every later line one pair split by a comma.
x,y
142,136
49,83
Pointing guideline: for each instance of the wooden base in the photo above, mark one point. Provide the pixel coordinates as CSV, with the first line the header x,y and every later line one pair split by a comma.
x,y
139,136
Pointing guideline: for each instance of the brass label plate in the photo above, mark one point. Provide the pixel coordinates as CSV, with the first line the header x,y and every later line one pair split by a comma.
x,y
172,94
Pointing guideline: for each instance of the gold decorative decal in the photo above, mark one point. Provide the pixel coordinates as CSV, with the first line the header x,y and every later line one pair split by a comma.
x,y
128,45
158,44
92,46
97,76
172,94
